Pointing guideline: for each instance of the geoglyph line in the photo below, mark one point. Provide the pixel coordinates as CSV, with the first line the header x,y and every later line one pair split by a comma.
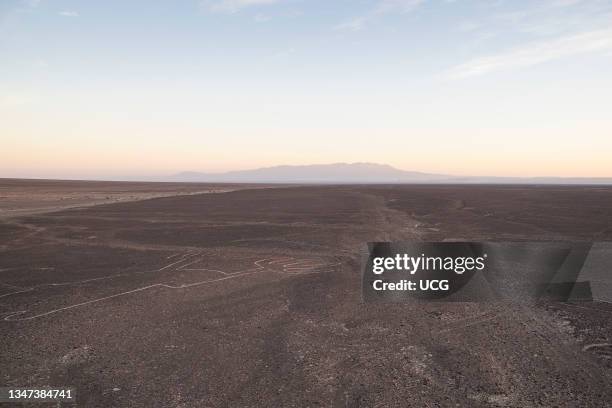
x,y
287,265
24,290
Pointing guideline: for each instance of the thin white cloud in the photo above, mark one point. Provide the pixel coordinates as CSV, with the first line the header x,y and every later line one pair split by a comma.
x,y
550,17
26,6
68,13
381,8
536,53
30,3
468,26
564,3
262,18
233,6
354,24
403,6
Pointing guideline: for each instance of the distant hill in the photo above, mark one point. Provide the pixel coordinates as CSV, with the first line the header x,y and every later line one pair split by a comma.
x,y
362,173
317,173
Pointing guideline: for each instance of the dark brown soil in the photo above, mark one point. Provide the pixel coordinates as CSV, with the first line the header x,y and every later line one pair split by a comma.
x,y
252,298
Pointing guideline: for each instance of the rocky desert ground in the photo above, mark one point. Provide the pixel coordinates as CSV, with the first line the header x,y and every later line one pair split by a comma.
x,y
251,297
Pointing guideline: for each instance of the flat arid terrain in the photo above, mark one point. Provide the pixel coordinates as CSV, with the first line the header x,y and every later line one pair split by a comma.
x,y
40,196
252,297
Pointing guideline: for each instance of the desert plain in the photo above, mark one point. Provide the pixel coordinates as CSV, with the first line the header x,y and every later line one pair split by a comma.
x,y
210,295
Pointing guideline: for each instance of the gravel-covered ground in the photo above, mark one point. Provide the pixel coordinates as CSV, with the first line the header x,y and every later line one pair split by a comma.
x,y
252,298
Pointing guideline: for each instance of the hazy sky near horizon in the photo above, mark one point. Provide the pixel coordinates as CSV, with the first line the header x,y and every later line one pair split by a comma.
x,y
115,89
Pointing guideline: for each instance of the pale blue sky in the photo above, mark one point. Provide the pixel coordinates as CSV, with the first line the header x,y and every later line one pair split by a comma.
x,y
138,88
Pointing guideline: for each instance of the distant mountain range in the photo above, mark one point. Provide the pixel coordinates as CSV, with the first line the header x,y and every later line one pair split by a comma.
x,y
363,173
